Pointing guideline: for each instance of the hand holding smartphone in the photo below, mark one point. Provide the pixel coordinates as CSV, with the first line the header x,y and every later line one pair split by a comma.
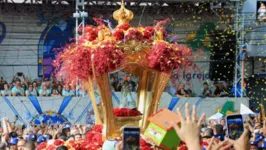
x,y
235,126
131,138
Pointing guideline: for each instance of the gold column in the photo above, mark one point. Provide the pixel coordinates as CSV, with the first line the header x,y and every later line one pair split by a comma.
x,y
142,94
107,105
160,81
90,89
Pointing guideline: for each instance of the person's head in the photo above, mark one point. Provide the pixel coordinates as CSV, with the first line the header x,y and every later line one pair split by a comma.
x,y
218,129
205,85
20,144
13,143
1,79
34,84
71,138
13,147
19,131
62,148
208,132
262,5
181,86
78,136
48,136
67,87
32,137
29,146
62,137
59,87
30,88
222,122
18,83
54,92
6,86
44,87
253,146
41,139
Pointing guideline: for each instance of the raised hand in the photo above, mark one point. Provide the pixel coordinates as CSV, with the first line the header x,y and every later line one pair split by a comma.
x,y
218,145
242,143
189,131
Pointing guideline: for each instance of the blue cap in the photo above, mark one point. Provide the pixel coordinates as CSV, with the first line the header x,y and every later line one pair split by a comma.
x,y
41,139
13,141
258,137
254,143
33,137
263,146
67,126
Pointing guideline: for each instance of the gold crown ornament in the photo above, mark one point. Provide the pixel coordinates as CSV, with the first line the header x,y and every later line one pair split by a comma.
x,y
123,15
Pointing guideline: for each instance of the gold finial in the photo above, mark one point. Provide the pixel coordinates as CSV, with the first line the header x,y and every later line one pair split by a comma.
x,y
123,15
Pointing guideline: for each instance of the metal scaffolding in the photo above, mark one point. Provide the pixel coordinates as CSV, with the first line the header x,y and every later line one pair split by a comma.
x,y
80,14
240,50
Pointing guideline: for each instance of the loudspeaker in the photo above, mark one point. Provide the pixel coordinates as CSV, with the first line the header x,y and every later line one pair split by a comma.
x,y
222,56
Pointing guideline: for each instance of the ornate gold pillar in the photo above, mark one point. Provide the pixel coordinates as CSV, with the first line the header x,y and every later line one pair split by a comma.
x,y
142,94
90,89
106,105
160,81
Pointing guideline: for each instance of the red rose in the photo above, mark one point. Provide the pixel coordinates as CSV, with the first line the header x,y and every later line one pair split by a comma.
x,y
124,27
51,147
42,146
134,34
119,35
97,128
165,57
58,142
148,32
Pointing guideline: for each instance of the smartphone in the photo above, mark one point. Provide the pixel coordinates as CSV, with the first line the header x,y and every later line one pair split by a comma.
x,y
20,74
235,126
131,138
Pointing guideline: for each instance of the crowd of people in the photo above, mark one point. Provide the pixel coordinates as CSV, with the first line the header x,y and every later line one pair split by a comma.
x,y
195,134
24,86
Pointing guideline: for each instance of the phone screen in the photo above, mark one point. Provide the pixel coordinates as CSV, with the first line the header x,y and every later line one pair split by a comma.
x,y
131,138
235,126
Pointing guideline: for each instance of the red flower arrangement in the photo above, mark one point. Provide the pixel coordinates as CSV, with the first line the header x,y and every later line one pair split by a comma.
x,y
74,63
51,147
42,146
107,57
134,34
119,35
144,145
124,27
164,57
126,112
58,142
148,32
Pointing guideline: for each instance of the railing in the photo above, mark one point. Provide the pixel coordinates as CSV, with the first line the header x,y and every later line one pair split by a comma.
x,y
78,109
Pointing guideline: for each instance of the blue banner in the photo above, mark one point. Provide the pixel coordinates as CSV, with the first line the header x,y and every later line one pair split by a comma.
x,y
36,104
83,113
116,98
13,109
64,104
173,103
197,103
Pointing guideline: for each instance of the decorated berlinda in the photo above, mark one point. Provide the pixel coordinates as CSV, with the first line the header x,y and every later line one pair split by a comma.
x,y
140,51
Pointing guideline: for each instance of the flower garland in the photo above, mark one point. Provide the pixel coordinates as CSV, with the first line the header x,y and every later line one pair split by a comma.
x,y
126,112
75,61
93,141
